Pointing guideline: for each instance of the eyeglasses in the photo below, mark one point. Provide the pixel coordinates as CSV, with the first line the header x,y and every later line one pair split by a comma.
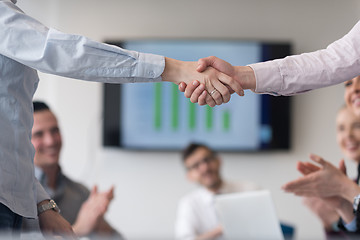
x,y
196,166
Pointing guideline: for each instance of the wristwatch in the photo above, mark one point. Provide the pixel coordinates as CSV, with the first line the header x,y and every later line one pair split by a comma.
x,y
47,206
356,202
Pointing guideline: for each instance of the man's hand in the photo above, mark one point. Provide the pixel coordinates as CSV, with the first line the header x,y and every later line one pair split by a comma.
x,y
52,224
211,80
241,74
92,211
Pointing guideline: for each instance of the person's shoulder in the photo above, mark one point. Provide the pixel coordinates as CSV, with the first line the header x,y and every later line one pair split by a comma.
x,y
79,187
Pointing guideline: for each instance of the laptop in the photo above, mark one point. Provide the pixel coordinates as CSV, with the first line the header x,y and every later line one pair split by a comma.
x,y
248,215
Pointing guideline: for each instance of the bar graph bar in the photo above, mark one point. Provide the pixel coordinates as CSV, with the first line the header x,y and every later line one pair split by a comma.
x,y
169,107
174,107
209,118
226,120
192,116
157,105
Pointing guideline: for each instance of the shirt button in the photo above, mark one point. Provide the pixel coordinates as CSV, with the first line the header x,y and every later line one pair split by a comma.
x,y
151,74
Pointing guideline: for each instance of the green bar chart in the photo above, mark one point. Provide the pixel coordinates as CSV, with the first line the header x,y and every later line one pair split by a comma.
x,y
173,112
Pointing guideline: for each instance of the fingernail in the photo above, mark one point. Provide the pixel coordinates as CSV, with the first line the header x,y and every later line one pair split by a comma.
x,y
195,83
201,87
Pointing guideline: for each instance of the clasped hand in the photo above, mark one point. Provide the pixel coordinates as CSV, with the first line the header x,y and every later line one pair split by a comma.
x,y
209,81
237,79
216,91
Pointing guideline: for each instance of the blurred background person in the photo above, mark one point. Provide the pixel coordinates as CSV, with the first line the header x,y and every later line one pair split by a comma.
x,y
348,139
82,208
196,216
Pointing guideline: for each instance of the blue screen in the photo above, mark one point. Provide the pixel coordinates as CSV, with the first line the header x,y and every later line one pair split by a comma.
x,y
158,116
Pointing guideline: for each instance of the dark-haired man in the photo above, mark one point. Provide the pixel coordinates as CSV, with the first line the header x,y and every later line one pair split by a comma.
x,y
196,217
83,209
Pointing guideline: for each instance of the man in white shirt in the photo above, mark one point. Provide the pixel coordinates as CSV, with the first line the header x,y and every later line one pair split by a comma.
x,y
27,46
196,216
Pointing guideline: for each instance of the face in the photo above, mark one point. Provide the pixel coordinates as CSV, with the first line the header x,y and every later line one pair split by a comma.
x,y
352,95
348,133
46,139
203,167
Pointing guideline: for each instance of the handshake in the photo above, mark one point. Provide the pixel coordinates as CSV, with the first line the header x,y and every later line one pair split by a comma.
x,y
209,81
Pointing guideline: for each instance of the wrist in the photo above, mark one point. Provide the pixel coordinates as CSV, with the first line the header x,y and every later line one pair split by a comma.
x,y
245,76
172,70
47,205
350,190
77,230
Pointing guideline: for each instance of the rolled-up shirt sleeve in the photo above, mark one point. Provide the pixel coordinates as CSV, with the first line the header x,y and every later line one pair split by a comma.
x,y
29,42
339,62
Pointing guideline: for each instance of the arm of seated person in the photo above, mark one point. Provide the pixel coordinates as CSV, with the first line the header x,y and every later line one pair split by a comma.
x,y
211,234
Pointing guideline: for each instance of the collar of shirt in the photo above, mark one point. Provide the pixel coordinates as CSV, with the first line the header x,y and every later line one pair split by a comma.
x,y
209,196
39,174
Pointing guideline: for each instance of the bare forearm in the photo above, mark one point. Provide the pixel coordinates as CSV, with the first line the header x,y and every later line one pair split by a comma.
x,y
349,190
175,70
346,212
245,76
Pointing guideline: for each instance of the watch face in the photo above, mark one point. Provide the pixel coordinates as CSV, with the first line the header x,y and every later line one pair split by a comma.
x,y
54,206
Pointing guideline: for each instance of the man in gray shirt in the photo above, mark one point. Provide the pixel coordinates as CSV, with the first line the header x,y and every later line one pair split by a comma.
x,y
83,209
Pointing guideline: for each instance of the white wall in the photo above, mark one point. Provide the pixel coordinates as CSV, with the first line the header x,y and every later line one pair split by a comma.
x,y
148,185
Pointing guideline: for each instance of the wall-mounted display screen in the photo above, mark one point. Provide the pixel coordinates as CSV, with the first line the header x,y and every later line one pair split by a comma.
x,y
156,116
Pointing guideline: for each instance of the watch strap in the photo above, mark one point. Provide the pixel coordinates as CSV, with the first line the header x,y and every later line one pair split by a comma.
x,y
47,206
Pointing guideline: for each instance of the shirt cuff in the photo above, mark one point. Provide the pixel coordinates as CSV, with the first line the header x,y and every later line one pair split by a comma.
x,y
268,77
351,226
149,68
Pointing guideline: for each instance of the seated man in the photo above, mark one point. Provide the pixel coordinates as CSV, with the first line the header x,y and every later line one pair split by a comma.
x,y
196,216
83,209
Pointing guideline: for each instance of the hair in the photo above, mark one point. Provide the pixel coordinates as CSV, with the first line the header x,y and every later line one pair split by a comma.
x,y
192,147
40,106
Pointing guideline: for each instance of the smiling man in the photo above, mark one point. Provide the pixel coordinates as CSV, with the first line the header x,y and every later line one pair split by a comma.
x,y
83,209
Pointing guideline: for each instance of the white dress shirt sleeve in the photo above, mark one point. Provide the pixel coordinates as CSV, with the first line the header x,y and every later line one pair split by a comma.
x,y
339,62
185,222
29,42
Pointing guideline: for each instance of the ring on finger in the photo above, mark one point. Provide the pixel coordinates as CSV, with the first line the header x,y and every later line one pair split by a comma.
x,y
213,91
